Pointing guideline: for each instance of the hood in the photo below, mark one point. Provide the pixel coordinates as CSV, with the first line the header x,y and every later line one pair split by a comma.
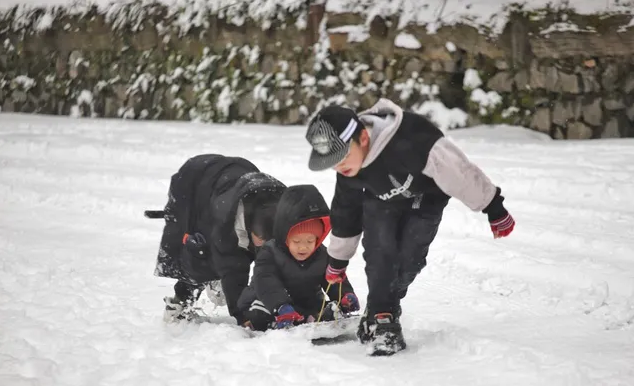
x,y
254,188
259,183
382,121
297,204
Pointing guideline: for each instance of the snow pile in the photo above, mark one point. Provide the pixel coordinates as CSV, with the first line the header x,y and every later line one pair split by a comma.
x,y
356,33
471,79
565,27
408,41
487,101
84,101
443,117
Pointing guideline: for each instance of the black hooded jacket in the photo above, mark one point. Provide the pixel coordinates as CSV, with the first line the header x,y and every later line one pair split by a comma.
x,y
221,186
278,278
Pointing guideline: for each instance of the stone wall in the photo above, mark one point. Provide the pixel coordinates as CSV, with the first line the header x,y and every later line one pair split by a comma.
x,y
568,75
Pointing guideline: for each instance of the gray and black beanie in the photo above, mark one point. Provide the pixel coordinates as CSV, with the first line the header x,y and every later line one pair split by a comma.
x,y
330,133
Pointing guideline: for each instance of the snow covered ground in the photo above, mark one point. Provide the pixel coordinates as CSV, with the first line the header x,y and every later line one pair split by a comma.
x,y
551,305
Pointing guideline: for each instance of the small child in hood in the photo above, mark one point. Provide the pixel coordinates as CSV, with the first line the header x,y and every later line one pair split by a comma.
x,y
288,281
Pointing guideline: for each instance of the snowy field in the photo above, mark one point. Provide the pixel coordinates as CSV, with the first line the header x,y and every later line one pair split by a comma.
x,y
551,305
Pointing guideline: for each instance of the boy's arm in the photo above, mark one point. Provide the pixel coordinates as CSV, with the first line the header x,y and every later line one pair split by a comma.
x,y
267,282
458,177
346,215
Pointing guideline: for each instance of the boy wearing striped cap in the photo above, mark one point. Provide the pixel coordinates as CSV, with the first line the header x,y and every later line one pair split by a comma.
x,y
396,172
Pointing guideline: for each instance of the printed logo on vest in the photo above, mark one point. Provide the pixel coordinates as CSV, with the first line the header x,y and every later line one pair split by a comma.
x,y
402,189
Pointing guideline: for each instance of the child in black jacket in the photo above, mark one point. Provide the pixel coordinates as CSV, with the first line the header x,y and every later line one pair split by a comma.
x,y
288,281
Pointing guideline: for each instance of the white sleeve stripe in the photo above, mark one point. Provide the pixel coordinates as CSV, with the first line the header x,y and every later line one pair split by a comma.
x,y
255,307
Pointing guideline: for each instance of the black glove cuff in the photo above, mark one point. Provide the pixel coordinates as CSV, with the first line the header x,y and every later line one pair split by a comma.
x,y
337,264
495,210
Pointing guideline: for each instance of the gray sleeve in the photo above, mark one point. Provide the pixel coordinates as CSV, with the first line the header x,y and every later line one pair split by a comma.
x,y
343,248
458,177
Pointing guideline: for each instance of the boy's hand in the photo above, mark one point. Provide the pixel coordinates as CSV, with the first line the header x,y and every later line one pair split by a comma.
x,y
502,226
287,317
336,270
335,275
349,303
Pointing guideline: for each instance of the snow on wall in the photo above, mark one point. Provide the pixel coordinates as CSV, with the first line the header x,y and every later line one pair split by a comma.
x,y
433,13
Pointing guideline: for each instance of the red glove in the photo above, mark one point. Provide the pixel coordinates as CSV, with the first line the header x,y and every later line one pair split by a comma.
x,y
335,275
503,226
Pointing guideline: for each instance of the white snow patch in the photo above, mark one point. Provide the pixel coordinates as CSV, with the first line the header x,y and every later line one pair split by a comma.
x,y
24,81
450,47
85,96
485,99
471,79
356,33
44,22
329,81
408,41
444,118
565,27
260,92
512,110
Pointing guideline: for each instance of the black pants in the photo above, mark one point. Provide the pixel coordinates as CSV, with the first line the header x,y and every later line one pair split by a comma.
x,y
396,240
188,292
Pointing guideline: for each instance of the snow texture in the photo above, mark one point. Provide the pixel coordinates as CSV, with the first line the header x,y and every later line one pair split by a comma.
x,y
489,13
432,13
443,117
551,305
486,100
405,40
565,27
356,33
471,79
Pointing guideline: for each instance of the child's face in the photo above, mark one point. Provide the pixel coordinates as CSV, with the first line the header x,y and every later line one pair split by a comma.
x,y
302,245
351,164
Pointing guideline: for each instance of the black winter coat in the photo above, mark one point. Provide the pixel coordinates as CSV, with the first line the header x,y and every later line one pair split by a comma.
x,y
224,182
278,278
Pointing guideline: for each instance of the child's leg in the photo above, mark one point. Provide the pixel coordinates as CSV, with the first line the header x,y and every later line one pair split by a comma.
x,y
179,307
187,292
418,233
380,243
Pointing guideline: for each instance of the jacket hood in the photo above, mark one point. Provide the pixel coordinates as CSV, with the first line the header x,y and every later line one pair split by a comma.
x,y
298,204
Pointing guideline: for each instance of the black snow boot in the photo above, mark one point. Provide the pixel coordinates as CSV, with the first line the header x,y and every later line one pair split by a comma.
x,y
363,331
386,336
177,310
